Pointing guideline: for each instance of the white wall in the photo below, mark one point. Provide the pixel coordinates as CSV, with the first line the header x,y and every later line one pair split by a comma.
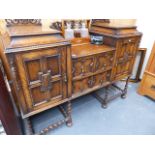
x,y
147,27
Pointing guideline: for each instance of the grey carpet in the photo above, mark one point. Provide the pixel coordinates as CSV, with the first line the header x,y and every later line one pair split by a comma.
x,y
134,115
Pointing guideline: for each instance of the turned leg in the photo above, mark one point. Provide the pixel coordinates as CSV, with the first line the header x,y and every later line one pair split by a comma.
x,y
105,102
28,129
69,110
124,93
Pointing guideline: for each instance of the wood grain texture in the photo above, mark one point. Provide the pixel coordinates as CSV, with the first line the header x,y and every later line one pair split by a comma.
x,y
48,70
147,85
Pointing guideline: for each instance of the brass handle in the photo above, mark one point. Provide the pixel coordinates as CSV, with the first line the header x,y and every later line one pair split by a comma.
x,y
91,66
45,79
104,65
97,65
91,83
153,87
108,76
111,59
65,77
82,70
73,70
106,55
101,81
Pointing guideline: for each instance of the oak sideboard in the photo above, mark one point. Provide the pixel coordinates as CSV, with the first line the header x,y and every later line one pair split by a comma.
x,y
44,70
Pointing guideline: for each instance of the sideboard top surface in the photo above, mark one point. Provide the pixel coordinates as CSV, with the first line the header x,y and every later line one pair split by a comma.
x,y
88,49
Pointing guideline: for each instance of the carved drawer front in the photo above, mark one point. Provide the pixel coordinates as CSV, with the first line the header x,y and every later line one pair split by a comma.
x,y
90,83
102,78
79,86
43,76
104,61
82,66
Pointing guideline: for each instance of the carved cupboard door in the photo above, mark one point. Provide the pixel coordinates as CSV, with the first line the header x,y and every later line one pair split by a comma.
x,y
125,56
43,76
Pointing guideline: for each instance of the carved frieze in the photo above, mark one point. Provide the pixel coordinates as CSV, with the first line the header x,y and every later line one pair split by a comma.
x,y
11,22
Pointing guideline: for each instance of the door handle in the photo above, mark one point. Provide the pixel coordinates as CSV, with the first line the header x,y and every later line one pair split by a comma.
x,y
153,87
65,77
45,79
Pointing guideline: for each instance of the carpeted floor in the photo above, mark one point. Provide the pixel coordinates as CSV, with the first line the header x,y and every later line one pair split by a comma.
x,y
2,132
134,115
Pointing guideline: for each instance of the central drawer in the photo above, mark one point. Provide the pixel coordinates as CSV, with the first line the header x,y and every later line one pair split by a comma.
x,y
88,84
82,66
87,66
104,61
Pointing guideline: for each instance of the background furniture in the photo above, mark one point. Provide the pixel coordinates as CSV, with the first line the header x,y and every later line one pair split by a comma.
x,y
147,85
141,55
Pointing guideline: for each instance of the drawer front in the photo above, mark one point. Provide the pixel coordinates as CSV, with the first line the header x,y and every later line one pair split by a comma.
x,y
129,40
91,83
102,78
79,86
82,66
43,76
104,61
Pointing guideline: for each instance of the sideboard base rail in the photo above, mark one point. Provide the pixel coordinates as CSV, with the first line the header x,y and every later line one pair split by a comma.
x,y
121,93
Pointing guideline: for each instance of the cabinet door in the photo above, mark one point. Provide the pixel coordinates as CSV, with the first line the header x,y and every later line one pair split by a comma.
x,y
125,56
43,76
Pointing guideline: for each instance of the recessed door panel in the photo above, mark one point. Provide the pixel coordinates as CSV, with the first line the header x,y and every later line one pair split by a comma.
x,y
42,75
125,56
32,75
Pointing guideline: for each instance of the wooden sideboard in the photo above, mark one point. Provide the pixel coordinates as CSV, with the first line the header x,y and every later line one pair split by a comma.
x,y
45,70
